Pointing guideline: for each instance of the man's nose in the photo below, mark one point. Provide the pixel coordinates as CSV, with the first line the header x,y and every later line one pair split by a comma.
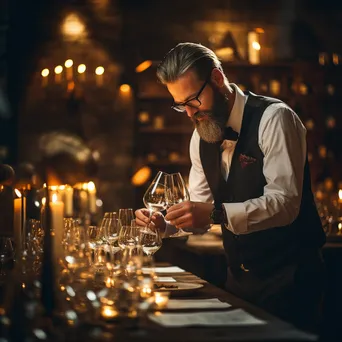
x,y
190,111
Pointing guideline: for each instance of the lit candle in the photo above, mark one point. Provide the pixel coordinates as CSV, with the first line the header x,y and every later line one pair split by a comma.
x,y
84,198
68,66
68,201
340,203
17,219
45,77
99,76
108,312
161,299
92,197
57,211
81,71
253,48
58,73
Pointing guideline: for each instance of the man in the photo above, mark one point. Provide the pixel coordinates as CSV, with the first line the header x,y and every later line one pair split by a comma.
x,y
250,174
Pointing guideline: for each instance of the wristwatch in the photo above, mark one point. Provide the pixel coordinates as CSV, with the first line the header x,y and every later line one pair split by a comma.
x,y
218,215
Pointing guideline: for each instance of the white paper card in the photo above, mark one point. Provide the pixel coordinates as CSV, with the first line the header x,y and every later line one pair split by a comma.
x,y
165,280
167,269
212,303
236,317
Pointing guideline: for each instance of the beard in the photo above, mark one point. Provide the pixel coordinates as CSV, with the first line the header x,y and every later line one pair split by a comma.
x,y
211,129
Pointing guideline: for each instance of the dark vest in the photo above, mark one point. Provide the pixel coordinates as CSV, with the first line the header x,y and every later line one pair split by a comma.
x,y
264,251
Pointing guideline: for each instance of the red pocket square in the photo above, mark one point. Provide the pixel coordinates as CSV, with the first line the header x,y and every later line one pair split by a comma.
x,y
246,160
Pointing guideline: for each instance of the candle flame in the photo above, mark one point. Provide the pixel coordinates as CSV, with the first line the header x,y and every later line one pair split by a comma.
x,y
256,46
17,192
125,88
99,70
340,194
54,198
45,72
81,68
43,200
91,186
58,69
68,63
85,186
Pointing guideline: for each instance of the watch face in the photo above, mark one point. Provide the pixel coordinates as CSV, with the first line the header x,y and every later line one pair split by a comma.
x,y
216,216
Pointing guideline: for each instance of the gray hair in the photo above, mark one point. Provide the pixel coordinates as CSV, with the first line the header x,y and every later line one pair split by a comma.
x,y
185,56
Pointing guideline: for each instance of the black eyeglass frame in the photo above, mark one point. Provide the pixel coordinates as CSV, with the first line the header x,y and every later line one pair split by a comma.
x,y
181,107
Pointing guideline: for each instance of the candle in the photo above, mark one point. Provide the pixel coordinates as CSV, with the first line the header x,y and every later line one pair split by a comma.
x,y
45,78
92,197
84,198
68,66
161,299
58,73
108,312
17,219
99,76
253,48
57,211
68,201
81,71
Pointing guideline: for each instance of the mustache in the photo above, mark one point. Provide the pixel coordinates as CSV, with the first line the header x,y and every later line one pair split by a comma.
x,y
199,115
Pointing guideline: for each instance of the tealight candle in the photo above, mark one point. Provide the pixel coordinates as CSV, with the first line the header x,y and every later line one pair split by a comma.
x,y
108,312
161,299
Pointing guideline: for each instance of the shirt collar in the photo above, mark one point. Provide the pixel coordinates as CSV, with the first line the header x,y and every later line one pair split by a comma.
x,y
235,117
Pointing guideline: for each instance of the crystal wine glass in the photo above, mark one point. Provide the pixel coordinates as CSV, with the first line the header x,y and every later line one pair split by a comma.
x,y
129,237
155,196
177,192
150,241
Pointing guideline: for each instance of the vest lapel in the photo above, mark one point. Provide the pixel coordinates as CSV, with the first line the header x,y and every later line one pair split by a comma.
x,y
212,165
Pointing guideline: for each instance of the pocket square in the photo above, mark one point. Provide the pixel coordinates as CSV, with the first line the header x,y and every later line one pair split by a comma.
x,y
246,160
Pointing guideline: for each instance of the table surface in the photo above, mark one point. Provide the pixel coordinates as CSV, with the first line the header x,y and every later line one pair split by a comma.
x,y
273,330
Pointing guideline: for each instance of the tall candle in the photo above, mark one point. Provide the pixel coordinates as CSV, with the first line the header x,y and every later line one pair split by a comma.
x,y
69,71
92,197
58,73
68,201
99,76
17,219
253,48
57,211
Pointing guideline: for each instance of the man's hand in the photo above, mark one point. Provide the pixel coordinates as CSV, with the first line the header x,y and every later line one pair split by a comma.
x,y
157,219
190,215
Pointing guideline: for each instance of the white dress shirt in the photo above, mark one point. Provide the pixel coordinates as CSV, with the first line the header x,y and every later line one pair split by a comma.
x,y
282,140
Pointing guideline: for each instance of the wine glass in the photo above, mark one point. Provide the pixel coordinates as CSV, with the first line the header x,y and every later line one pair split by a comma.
x,y
126,216
150,241
129,237
6,257
155,196
112,232
176,193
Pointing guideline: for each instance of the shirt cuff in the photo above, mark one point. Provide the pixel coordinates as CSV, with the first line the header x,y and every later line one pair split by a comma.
x,y
237,217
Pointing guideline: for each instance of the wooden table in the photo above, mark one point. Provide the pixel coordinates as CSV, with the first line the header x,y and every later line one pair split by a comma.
x,y
204,256
274,330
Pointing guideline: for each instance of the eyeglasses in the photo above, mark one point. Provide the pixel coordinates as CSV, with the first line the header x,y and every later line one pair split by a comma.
x,y
193,102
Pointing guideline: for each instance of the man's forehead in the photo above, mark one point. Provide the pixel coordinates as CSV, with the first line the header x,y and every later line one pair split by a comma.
x,y
186,85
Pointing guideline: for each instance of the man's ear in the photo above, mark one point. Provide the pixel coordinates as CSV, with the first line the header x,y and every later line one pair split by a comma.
x,y
217,77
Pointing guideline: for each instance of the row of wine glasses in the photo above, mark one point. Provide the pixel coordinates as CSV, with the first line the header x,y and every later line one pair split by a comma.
x,y
165,191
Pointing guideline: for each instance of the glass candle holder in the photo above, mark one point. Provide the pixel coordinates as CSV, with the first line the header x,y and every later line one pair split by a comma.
x,y
161,299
